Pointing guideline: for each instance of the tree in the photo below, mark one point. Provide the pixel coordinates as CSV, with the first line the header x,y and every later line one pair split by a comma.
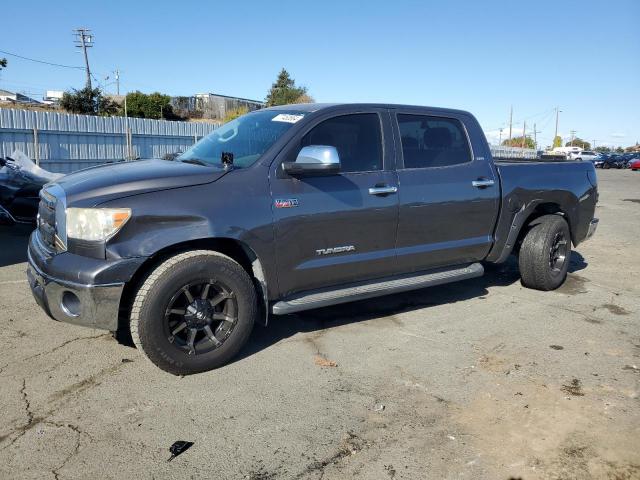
x,y
88,101
284,91
235,113
517,142
557,141
619,150
3,63
154,105
578,142
602,149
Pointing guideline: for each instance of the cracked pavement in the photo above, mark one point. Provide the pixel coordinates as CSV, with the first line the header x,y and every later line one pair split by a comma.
x,y
482,379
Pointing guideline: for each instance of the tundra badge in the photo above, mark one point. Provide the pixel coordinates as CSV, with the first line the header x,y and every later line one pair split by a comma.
x,y
329,251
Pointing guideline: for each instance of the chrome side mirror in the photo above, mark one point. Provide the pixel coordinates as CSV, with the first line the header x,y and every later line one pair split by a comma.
x,y
314,160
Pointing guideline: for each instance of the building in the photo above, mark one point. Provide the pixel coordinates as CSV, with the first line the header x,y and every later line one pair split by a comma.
x,y
52,97
14,97
212,105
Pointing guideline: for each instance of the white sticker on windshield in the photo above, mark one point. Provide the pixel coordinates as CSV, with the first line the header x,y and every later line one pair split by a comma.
x,y
286,117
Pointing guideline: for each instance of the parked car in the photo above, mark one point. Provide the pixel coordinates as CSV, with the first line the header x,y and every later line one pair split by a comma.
x,y
292,208
20,184
613,161
585,155
635,165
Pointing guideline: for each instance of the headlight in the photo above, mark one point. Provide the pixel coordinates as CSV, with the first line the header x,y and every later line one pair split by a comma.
x,y
95,224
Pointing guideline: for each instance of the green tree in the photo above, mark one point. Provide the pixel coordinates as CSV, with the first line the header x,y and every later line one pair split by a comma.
x,y
619,150
3,63
578,142
88,101
557,141
602,149
517,142
284,91
154,105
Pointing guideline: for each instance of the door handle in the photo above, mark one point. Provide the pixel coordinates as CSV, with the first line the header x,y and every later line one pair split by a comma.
x,y
483,183
384,190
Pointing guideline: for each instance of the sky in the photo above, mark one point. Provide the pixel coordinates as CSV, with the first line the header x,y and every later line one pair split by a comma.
x,y
484,56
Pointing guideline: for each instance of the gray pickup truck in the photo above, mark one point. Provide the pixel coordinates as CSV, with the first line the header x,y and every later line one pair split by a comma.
x,y
292,208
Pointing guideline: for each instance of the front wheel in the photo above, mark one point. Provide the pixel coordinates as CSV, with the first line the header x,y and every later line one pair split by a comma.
x,y
545,253
194,312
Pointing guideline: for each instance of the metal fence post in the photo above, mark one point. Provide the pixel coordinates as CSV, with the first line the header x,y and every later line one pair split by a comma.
x,y
36,146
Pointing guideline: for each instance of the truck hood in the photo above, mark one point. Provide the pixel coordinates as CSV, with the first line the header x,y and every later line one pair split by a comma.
x,y
93,186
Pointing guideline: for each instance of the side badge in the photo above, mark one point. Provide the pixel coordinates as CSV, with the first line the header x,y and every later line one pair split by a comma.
x,y
286,202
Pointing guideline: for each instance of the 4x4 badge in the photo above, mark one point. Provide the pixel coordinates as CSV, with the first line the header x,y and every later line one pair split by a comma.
x,y
286,202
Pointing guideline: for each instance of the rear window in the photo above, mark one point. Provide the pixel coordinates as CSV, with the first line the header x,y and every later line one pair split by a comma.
x,y
588,153
432,141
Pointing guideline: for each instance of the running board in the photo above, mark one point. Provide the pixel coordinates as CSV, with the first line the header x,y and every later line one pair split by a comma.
x,y
376,288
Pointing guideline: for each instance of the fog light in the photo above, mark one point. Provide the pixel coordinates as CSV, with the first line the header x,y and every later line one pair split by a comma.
x,y
70,304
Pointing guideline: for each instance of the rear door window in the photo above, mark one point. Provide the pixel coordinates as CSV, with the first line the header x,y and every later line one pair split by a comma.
x,y
429,141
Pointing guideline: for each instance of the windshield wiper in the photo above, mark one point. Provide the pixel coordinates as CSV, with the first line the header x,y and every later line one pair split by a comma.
x,y
195,161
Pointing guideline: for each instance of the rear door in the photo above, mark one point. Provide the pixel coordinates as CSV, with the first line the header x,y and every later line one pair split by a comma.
x,y
449,194
332,230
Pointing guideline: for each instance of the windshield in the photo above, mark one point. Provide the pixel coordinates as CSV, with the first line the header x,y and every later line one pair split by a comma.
x,y
246,137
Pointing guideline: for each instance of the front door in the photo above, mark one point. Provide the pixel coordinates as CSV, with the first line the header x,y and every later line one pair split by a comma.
x,y
335,229
448,197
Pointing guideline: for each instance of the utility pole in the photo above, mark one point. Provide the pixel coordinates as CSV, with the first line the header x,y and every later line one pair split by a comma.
x,y
573,134
535,137
84,40
524,131
500,141
117,74
510,123
557,112
593,144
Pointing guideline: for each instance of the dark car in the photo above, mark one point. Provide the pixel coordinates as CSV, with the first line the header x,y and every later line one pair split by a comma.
x,y
293,208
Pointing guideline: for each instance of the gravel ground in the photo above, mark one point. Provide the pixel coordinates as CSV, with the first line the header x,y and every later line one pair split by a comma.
x,y
482,379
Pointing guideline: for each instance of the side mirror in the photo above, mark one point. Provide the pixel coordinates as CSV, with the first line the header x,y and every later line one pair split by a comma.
x,y
314,160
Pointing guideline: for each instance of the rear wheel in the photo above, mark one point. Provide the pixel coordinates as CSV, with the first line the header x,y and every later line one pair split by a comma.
x,y
606,166
194,312
545,252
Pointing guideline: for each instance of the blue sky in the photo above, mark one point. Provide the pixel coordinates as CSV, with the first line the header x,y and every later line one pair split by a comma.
x,y
481,56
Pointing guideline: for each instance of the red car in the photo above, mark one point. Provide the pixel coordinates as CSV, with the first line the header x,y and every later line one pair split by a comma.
x,y
635,165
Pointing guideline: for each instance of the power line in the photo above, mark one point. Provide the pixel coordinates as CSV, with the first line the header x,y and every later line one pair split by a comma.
x,y
40,61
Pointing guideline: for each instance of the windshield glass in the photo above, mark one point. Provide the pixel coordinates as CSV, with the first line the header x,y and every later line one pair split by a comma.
x,y
246,137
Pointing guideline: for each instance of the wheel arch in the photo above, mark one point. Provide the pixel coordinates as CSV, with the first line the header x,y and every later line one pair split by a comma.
x,y
521,223
540,210
233,248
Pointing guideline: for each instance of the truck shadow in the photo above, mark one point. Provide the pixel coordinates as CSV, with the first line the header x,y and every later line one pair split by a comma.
x,y
283,327
13,244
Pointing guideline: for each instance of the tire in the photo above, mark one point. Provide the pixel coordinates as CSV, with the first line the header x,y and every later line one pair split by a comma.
x,y
606,166
174,302
545,253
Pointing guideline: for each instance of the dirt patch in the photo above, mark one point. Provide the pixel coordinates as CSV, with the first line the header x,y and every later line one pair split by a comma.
x,y
615,309
324,362
633,200
556,347
573,285
574,388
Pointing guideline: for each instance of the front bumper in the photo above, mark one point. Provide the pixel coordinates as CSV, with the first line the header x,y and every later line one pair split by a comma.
x,y
75,289
88,305
593,225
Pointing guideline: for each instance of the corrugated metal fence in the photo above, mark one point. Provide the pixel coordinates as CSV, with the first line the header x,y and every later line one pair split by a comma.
x,y
501,151
60,142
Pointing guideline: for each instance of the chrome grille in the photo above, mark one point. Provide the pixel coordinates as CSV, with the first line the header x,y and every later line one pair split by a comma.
x,y
47,219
